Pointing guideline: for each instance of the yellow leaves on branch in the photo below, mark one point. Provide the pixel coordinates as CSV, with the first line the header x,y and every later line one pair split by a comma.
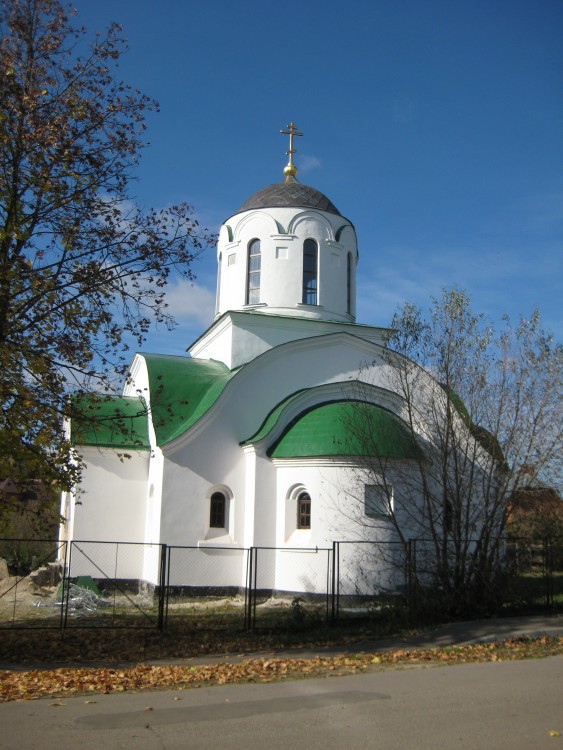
x,y
62,682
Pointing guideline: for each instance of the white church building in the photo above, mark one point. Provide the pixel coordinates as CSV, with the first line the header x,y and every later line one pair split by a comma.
x,y
245,441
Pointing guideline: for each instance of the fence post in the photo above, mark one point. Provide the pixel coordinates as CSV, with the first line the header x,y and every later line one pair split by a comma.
x,y
334,584
411,574
250,591
548,571
64,583
66,586
162,586
328,617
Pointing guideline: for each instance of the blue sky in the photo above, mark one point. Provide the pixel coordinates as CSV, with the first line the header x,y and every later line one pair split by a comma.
x,y
435,126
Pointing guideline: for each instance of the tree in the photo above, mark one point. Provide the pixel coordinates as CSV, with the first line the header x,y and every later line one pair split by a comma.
x,y
476,408
535,511
82,267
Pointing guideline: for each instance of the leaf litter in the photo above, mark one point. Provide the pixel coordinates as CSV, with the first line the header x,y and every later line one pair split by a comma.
x,y
65,681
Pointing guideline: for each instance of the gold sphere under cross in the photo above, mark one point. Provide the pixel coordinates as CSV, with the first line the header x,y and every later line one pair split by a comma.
x,y
290,170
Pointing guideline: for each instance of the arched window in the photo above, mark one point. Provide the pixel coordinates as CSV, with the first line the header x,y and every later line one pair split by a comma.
x,y
253,273
310,272
349,283
218,511
304,511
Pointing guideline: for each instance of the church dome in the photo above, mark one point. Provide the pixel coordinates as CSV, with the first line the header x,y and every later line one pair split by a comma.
x,y
288,251
289,194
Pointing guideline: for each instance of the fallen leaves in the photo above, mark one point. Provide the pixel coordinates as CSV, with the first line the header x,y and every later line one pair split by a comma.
x,y
65,681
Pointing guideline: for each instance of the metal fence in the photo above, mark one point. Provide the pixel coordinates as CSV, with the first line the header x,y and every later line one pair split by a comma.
x,y
31,593
114,584
287,575
205,581
118,584
367,576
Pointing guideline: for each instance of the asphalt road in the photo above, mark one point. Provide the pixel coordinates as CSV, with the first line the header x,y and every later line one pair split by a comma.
x,y
492,706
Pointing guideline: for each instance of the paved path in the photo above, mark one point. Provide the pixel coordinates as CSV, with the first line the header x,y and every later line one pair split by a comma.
x,y
492,706
512,705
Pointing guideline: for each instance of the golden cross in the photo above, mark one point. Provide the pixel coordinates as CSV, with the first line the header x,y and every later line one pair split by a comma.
x,y
291,130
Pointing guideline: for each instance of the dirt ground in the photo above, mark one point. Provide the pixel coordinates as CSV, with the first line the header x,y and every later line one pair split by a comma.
x,y
21,599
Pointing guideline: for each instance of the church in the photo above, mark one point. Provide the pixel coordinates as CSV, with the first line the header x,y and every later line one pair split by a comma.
x,y
247,441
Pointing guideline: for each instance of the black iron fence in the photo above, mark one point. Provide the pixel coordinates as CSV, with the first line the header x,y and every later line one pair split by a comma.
x,y
119,584
205,583
104,584
31,582
290,575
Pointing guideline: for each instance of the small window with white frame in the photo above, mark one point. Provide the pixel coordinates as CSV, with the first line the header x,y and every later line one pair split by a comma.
x,y
254,266
298,514
219,516
310,272
218,511
378,500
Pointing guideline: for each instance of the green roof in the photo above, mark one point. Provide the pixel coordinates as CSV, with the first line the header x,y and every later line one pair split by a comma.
x,y
182,391
110,422
346,428
272,418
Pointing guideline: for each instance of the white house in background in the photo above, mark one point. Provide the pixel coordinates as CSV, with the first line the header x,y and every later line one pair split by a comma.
x,y
244,442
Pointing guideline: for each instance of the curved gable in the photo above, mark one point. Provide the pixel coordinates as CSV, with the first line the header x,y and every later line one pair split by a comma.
x,y
328,430
182,390
274,381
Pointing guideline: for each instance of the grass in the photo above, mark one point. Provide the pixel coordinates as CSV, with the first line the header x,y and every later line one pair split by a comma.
x,y
109,640
120,632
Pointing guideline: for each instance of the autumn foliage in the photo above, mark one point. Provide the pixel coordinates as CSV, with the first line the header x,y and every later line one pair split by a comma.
x,y
89,681
82,267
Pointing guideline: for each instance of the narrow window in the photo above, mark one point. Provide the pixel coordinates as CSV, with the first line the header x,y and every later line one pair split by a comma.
x,y
253,275
310,272
304,511
217,511
349,284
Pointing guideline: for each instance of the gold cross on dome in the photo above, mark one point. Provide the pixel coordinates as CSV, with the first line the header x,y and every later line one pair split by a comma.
x,y
291,130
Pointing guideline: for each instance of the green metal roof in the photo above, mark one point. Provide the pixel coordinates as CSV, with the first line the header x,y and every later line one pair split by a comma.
x,y
182,390
272,418
338,428
110,422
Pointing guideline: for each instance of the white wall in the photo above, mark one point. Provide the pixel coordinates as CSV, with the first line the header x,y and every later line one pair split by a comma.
x,y
210,456
239,337
171,502
112,496
282,232
337,514
110,506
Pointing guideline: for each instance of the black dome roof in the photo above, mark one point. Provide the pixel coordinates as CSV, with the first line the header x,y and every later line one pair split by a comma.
x,y
289,194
